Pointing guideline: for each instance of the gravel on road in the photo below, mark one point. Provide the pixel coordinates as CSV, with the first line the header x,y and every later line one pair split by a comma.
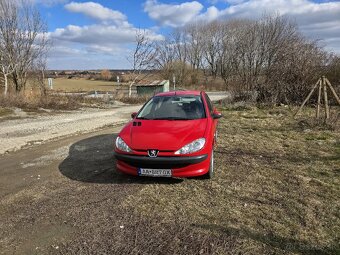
x,y
18,133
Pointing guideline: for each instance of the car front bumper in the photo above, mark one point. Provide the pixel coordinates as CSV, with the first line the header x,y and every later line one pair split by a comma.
x,y
181,166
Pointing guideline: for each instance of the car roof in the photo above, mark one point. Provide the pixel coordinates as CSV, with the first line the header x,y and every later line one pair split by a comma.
x,y
180,92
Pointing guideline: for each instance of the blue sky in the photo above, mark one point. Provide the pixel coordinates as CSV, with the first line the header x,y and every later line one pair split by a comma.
x,y
98,34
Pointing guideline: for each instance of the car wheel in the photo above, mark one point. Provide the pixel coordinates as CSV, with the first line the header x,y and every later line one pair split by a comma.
x,y
210,173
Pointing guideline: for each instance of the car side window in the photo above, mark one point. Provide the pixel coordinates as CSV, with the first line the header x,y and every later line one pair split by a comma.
x,y
210,105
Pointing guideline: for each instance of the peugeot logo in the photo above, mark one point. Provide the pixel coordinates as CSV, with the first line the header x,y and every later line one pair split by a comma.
x,y
152,153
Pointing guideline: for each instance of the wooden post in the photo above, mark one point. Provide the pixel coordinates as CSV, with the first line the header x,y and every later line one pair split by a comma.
x,y
323,82
333,90
309,95
325,97
319,101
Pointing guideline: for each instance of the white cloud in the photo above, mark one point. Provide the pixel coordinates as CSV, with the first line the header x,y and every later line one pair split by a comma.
x,y
73,55
50,2
300,9
104,44
316,20
211,14
233,2
62,51
93,34
99,34
83,59
98,12
173,15
230,2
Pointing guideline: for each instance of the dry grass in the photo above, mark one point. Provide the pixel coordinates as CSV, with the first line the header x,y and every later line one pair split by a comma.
x,y
80,84
5,112
276,189
32,101
134,100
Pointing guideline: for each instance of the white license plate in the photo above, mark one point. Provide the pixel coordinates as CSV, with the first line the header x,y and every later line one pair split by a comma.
x,y
155,172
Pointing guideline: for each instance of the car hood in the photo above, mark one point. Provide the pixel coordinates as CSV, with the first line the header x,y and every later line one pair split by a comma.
x,y
168,135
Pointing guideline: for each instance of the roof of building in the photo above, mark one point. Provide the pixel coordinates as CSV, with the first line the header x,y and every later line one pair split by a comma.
x,y
151,83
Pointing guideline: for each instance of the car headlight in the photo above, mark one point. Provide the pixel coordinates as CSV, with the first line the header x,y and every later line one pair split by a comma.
x,y
192,147
121,145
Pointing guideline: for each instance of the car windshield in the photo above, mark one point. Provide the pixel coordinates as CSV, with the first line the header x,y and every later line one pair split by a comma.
x,y
177,107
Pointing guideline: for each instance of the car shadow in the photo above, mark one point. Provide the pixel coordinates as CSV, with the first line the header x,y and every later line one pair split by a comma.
x,y
91,160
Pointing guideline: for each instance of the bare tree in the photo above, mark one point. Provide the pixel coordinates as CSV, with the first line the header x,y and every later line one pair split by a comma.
x,y
213,34
267,56
231,51
332,70
194,44
180,67
142,58
171,55
105,74
262,55
7,61
39,70
165,57
7,67
23,38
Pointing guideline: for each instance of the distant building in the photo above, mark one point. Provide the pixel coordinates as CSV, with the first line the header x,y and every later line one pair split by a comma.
x,y
146,88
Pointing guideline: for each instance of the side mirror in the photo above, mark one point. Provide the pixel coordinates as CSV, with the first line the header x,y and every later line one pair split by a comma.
x,y
217,115
133,115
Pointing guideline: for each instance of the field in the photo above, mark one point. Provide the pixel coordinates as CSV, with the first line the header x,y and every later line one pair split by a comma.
x,y
32,99
76,85
276,191
80,84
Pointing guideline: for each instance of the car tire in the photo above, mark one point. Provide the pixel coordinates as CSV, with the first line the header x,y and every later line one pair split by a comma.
x,y
210,173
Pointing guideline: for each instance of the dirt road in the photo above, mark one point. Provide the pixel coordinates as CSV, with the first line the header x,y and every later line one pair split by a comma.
x,y
41,204
17,133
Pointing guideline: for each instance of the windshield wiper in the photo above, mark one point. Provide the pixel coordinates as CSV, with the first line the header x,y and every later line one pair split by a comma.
x,y
142,118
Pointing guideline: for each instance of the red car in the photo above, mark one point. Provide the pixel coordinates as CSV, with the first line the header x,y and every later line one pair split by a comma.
x,y
173,135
